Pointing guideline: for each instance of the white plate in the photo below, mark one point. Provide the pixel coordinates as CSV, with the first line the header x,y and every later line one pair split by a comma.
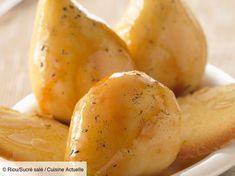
x,y
215,164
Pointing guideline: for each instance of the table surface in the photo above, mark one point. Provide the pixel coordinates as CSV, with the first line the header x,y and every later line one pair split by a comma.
x,y
216,17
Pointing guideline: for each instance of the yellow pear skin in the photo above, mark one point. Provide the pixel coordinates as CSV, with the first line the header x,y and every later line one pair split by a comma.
x,y
70,52
166,42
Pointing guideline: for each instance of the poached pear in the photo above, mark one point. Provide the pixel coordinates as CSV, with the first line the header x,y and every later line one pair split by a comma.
x,y
126,125
166,42
71,51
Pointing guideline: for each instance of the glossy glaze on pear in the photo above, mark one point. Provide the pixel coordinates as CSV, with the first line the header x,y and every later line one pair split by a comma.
x,y
70,52
166,42
127,124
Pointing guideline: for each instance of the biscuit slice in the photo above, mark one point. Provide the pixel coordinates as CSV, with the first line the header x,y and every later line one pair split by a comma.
x,y
29,137
208,123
